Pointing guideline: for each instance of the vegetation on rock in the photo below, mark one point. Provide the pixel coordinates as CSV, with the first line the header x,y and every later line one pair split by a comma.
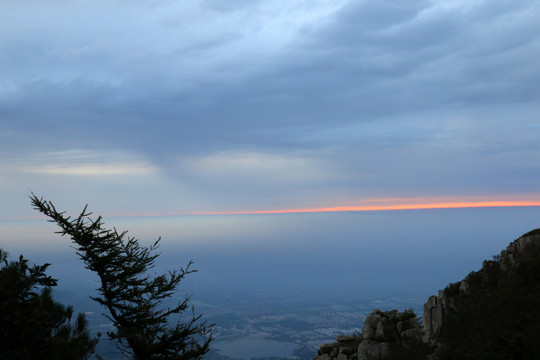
x,y
498,316
494,313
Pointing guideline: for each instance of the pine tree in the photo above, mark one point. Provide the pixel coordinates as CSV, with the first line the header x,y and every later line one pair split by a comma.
x,y
32,324
144,328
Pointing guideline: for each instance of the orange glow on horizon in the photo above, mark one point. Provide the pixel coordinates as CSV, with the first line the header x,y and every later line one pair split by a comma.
x,y
417,206
376,204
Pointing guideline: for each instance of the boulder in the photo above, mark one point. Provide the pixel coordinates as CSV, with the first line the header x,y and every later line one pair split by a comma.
x,y
434,310
370,325
322,357
413,322
346,338
369,349
327,348
400,326
379,330
410,334
391,315
347,350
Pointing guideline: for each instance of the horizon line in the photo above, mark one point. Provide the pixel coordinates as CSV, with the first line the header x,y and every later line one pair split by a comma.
x,y
362,208
425,206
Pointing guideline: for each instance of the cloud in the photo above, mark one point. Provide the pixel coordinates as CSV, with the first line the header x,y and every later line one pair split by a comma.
x,y
111,181
90,170
276,102
263,73
78,163
262,167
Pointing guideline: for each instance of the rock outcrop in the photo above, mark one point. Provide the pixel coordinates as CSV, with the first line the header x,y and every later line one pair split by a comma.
x,y
434,310
513,252
385,331
345,348
437,305
381,331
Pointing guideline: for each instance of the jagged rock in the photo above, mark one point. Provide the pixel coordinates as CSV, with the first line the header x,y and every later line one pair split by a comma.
x,y
410,334
434,310
385,328
369,349
382,330
370,324
379,332
403,316
437,305
322,357
413,322
327,348
347,350
345,338
391,315
400,326
512,252
344,349
464,287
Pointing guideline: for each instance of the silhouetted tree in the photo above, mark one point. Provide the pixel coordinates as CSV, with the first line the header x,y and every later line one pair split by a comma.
x,y
32,324
132,297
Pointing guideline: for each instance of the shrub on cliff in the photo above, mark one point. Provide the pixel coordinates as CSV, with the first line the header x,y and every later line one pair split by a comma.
x,y
498,317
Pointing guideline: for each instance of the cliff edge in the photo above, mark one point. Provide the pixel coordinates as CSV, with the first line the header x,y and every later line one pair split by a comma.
x,y
493,313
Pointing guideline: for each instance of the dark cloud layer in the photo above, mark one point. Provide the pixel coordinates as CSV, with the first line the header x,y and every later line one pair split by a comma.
x,y
371,87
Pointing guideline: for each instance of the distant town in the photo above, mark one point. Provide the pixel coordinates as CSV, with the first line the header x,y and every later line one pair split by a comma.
x,y
307,327
265,326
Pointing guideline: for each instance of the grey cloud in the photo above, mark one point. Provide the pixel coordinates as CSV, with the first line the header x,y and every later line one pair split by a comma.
x,y
358,79
363,78
439,54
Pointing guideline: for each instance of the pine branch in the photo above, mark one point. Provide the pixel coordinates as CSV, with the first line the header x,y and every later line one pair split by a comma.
x,y
132,297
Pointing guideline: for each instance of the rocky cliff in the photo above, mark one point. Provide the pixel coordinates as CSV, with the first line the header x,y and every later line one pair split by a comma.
x,y
465,317
382,334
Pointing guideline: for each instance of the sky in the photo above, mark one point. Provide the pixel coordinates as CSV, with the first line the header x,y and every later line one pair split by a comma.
x,y
179,107
263,138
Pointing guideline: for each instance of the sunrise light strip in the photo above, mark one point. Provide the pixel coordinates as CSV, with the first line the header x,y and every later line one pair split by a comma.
x,y
390,205
441,205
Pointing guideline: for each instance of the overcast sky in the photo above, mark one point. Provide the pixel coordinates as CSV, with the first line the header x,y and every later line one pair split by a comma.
x,y
145,107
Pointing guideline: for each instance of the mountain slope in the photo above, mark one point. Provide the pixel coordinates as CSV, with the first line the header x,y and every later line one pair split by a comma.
x,y
493,313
